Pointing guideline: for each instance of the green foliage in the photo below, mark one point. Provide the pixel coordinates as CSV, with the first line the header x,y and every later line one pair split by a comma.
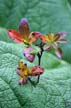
x,y
52,91
54,88
44,16
4,35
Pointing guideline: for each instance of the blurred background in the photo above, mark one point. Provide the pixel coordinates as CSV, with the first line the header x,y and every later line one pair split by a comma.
x,y
43,15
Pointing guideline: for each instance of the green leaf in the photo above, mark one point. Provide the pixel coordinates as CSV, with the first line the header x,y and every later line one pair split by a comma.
x,y
4,36
53,90
44,16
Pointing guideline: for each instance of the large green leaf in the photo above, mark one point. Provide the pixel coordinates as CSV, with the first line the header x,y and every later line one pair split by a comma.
x,y
53,90
44,16
4,35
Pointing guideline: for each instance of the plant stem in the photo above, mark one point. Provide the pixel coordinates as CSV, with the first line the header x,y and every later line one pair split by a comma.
x,y
39,61
32,82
